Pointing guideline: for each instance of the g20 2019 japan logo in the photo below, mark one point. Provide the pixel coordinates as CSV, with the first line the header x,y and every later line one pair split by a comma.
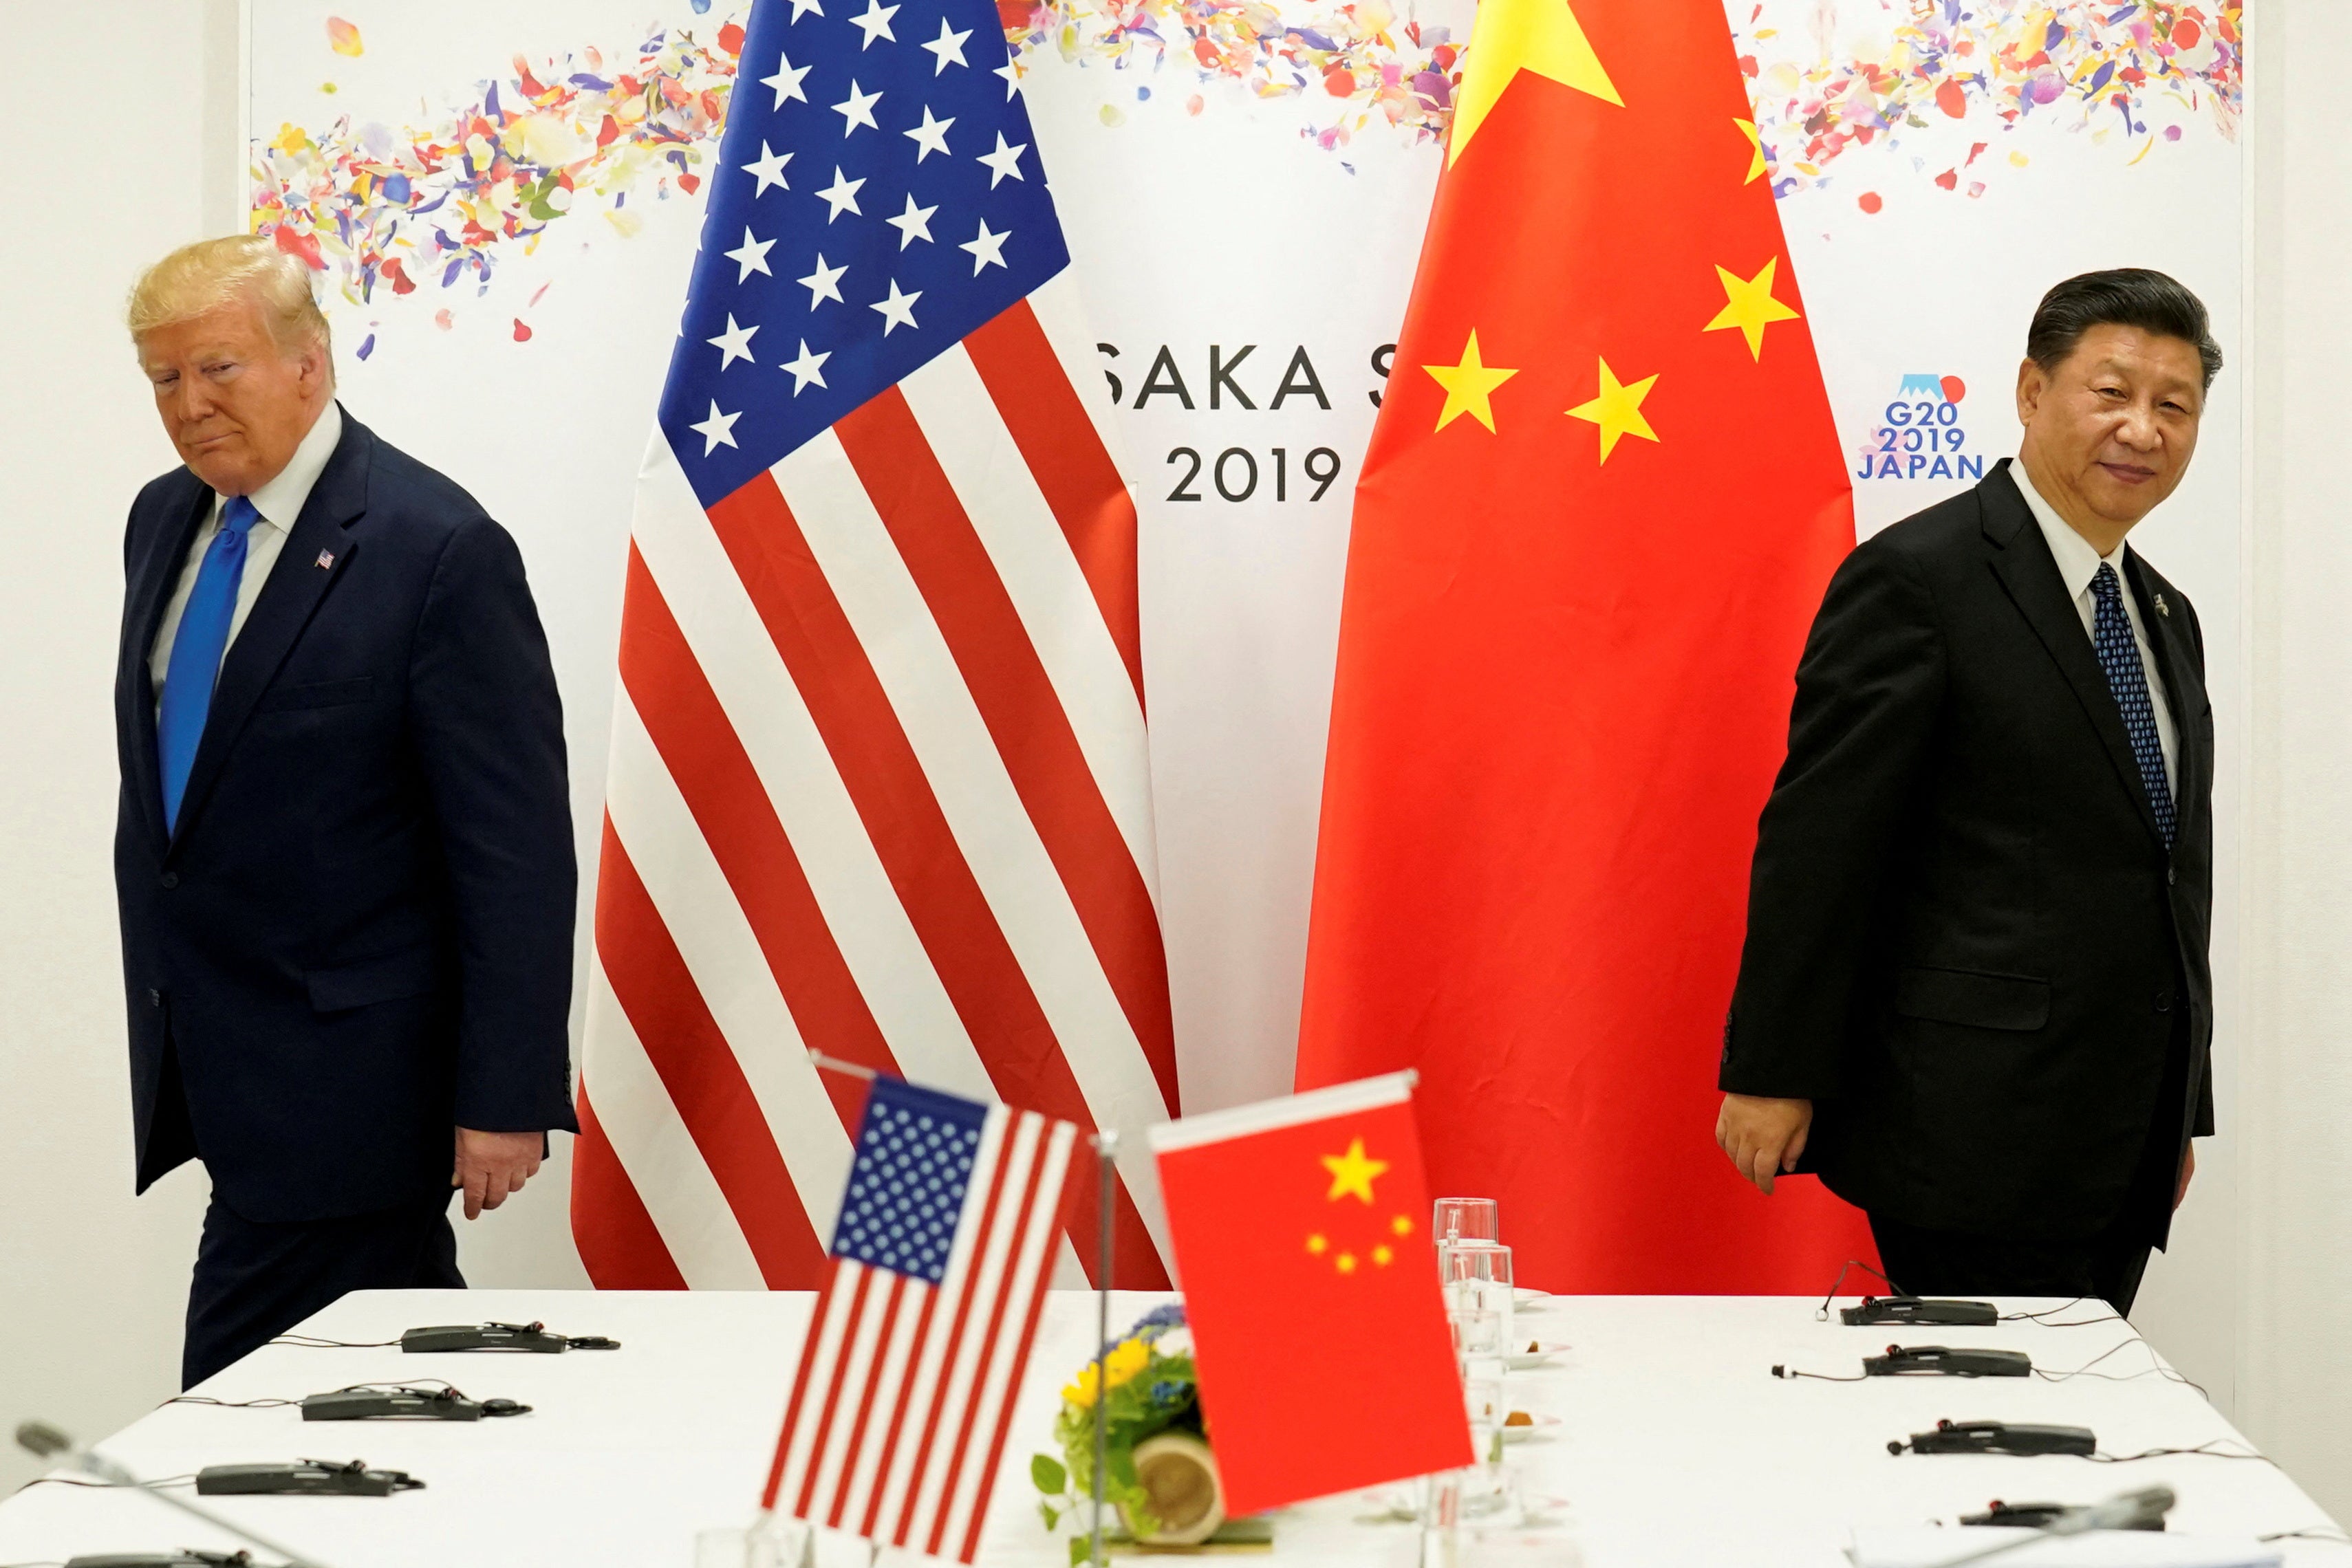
x,y
1918,435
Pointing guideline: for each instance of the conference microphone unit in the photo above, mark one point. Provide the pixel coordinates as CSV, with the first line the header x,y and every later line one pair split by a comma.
x,y
2141,1510
1999,1437
163,1560
47,1442
1912,1309
2039,1515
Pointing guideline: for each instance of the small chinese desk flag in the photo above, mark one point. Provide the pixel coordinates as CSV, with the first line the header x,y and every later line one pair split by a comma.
x,y
909,1378
1318,1329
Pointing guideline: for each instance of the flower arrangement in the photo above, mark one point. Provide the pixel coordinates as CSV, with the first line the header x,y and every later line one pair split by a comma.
x,y
1148,1392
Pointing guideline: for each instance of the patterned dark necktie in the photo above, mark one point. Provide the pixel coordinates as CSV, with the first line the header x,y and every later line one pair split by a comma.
x,y
2127,678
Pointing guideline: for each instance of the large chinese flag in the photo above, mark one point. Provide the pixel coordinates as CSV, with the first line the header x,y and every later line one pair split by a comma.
x,y
1601,505
1301,1229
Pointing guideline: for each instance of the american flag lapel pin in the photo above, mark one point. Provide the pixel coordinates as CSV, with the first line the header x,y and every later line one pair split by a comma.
x,y
325,562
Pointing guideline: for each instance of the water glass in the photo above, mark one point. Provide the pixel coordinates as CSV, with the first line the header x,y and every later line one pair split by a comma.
x,y
1477,1334
1465,1220
1477,1275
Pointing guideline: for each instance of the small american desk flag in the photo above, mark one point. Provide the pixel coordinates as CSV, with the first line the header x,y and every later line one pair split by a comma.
x,y
940,1260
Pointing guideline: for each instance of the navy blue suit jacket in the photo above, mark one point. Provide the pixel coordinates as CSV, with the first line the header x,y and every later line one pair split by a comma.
x,y
359,938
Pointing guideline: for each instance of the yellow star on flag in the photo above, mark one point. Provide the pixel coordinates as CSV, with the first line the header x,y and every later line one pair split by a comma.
x,y
1756,167
1468,386
1352,1172
1512,36
1618,410
1750,306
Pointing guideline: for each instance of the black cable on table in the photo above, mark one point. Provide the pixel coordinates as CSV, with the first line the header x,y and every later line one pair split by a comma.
x,y
2208,1449
111,1486
2166,1373
1822,1313
2046,1313
309,1342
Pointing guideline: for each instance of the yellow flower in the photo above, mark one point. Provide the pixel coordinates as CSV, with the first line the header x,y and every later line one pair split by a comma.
x,y
1120,1365
1124,1361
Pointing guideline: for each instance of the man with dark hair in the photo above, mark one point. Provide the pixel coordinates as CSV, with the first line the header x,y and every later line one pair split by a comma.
x,y
1976,995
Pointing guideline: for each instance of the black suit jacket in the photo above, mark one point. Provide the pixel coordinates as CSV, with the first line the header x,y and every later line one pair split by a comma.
x,y
1967,943
360,936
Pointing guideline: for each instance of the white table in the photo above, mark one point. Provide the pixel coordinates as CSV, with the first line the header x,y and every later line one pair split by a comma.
x,y
1676,1446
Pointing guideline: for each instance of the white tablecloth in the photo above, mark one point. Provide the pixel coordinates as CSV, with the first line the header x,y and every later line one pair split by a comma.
x,y
1674,1444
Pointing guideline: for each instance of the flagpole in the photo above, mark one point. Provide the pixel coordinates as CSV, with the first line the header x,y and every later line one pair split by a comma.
x,y
1106,1164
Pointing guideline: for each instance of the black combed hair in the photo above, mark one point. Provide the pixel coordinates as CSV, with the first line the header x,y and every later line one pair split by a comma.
x,y
2121,296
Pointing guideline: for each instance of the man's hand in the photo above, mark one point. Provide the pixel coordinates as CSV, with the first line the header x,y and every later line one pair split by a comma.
x,y
492,1164
2188,1169
1763,1136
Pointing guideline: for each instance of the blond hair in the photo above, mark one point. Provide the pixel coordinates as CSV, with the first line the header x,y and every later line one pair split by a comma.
x,y
210,273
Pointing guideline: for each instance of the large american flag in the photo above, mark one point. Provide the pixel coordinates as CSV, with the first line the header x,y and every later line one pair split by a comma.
x,y
878,783
912,1365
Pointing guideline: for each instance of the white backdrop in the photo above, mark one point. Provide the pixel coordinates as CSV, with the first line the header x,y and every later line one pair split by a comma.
x,y
95,1279
1218,225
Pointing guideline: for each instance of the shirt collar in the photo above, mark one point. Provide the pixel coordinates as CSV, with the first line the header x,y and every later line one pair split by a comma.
x,y
2078,559
280,501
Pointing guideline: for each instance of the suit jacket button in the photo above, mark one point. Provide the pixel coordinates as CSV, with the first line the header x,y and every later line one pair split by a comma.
x,y
170,879
2171,876
2164,999
154,997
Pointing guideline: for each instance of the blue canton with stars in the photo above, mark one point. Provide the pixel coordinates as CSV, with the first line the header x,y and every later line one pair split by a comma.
x,y
877,197
907,1182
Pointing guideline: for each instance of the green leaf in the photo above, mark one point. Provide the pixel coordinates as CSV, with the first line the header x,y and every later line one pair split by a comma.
x,y
1052,1517
1081,1549
1051,1477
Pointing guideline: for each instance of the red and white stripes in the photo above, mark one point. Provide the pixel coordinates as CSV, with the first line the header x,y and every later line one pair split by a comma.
x,y
878,786
904,1398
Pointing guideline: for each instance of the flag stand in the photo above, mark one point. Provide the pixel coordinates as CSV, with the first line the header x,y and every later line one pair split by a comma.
x,y
1106,1164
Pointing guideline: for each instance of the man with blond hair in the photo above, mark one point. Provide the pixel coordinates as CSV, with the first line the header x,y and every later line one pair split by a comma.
x,y
343,850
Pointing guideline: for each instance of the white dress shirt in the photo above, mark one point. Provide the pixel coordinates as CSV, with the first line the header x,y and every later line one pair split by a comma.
x,y
280,502
2078,563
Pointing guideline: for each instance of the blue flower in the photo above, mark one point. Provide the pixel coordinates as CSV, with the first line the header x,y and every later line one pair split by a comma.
x,y
1170,1316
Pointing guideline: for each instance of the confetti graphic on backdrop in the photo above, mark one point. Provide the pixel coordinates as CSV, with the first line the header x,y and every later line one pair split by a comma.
x,y
1379,67
2137,70
434,207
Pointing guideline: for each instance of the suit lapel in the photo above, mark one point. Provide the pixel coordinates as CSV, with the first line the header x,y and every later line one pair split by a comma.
x,y
284,607
2022,561
143,617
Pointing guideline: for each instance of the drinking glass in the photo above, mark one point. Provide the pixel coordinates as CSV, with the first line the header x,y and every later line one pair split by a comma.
x,y
1477,1275
1477,1333
1465,1220
1490,1487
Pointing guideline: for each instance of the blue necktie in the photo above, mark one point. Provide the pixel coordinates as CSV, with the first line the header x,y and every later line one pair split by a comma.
x,y
196,650
2127,679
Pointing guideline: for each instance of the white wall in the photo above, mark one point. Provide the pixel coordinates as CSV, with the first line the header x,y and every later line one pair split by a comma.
x,y
91,1283
2294,1244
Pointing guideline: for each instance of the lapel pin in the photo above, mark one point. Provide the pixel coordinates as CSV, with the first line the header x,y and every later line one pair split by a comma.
x,y
2161,607
327,559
